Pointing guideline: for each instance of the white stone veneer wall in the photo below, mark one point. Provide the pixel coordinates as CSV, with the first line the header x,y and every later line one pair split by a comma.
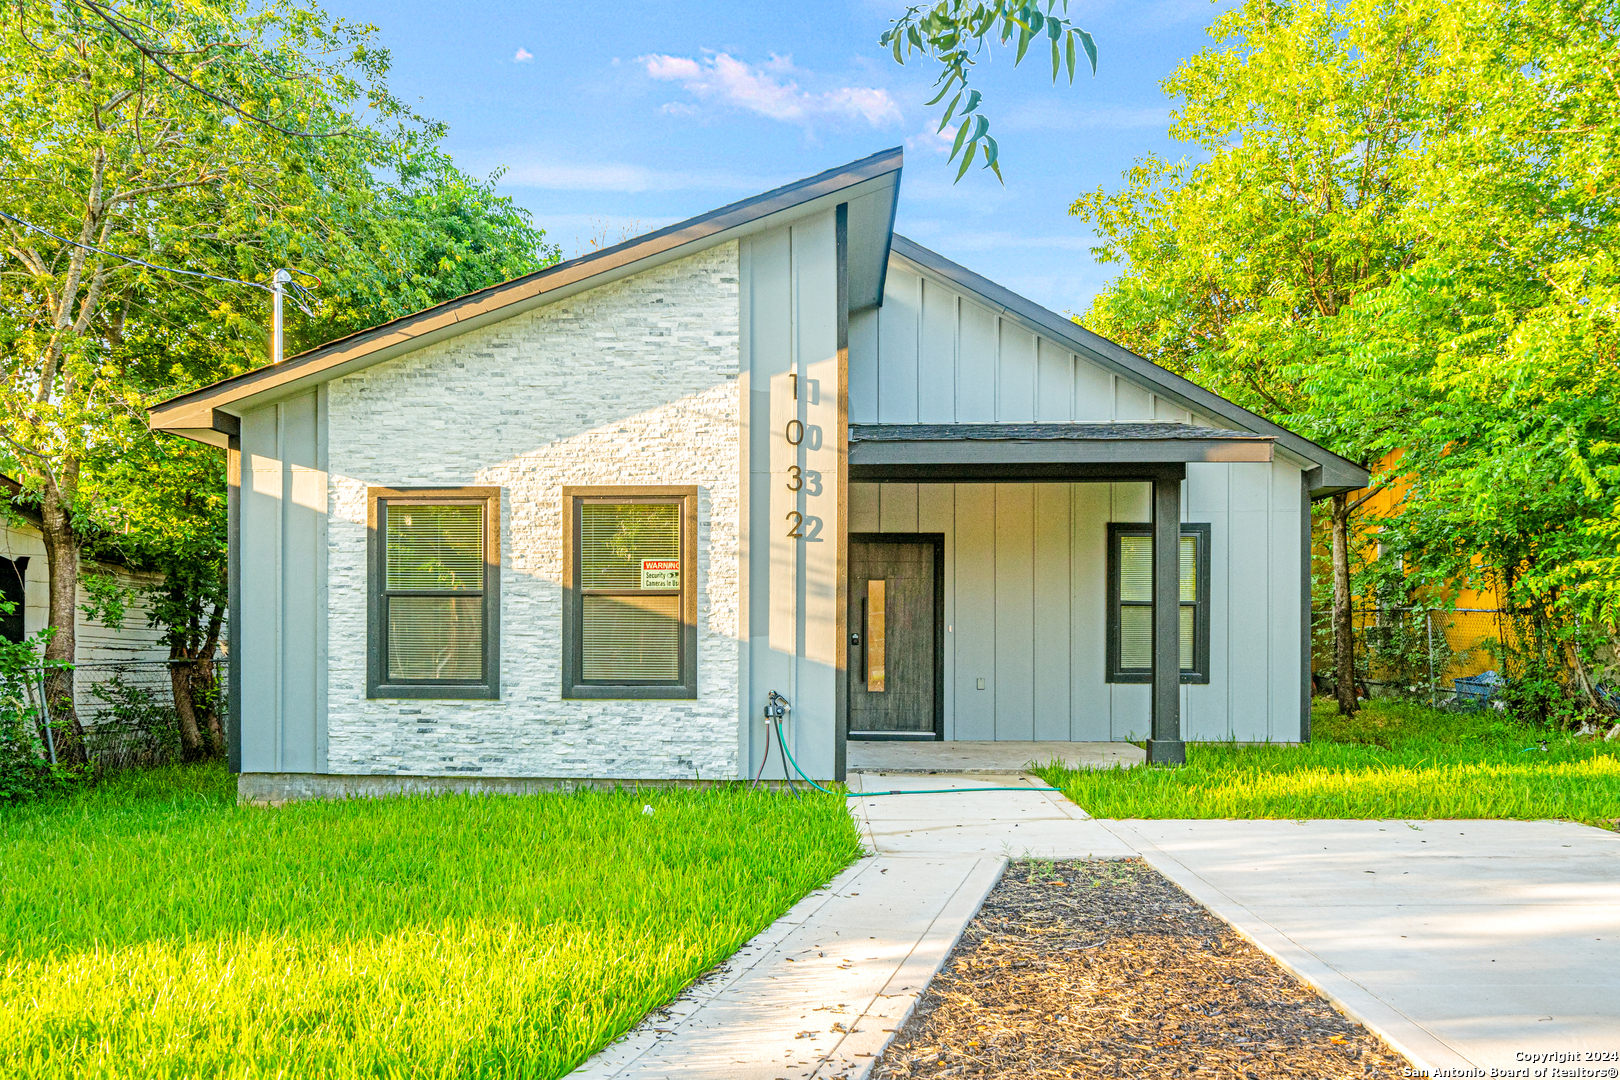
x,y
634,382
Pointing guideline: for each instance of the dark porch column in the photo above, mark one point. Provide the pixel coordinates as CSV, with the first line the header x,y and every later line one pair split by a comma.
x,y
1166,747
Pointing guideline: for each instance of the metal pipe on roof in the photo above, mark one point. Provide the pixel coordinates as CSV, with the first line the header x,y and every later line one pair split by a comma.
x,y
278,289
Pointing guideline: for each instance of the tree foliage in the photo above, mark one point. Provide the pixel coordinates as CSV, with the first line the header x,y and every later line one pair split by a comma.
x,y
1397,232
157,154
952,34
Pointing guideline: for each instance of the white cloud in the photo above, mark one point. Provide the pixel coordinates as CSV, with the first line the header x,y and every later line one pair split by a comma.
x,y
770,91
523,56
930,141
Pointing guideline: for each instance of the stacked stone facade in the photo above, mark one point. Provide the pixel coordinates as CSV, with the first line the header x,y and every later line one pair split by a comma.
x,y
631,383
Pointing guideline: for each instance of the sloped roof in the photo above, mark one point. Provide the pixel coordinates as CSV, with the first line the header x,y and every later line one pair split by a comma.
x,y
1332,472
870,186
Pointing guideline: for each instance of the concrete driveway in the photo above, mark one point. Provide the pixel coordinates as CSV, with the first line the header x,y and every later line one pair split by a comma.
x,y
1466,944
1463,944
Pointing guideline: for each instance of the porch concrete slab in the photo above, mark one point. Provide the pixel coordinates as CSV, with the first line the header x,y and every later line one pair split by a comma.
x,y
1463,943
986,757
822,990
981,820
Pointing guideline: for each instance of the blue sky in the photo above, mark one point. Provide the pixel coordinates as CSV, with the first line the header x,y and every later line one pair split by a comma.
x,y
623,118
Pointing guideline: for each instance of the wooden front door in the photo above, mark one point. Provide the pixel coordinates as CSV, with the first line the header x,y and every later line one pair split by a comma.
x,y
893,647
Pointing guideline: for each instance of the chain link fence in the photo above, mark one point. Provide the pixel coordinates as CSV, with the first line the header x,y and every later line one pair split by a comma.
x,y
1420,653
127,709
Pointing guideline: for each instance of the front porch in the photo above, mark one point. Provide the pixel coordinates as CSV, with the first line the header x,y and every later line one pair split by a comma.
x,y
997,758
1037,647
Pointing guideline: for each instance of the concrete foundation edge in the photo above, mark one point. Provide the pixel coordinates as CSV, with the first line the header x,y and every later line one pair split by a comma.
x,y
276,788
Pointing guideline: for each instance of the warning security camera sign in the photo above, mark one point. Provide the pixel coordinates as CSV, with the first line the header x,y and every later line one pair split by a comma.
x,y
660,573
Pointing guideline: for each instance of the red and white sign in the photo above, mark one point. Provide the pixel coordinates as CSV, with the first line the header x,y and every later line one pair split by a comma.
x,y
660,573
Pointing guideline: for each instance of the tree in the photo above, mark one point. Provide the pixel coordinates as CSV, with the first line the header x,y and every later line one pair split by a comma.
x,y
220,141
170,496
952,33
1401,238
431,234
1238,266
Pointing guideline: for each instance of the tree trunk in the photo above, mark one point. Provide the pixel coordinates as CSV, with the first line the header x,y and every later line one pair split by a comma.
x,y
181,680
205,685
62,556
1344,654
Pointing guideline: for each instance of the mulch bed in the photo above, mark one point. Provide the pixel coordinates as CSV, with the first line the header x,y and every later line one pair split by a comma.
x,y
1103,968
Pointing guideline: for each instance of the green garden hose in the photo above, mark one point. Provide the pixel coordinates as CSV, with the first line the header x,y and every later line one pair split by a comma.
x,y
780,741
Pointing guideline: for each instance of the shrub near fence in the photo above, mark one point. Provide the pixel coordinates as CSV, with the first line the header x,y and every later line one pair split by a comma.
x,y
1415,652
1467,657
126,708
132,719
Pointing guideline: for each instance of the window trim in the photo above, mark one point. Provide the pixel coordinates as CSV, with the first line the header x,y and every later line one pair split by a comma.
x,y
1199,673
573,684
14,571
377,501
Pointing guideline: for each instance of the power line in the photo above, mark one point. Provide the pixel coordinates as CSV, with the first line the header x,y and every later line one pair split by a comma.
x,y
151,54
299,289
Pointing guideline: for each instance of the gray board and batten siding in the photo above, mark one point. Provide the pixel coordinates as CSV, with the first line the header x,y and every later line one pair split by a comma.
x,y
1025,563
279,650
792,639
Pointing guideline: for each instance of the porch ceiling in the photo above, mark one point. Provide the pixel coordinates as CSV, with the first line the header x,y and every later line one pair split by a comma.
x,y
1058,451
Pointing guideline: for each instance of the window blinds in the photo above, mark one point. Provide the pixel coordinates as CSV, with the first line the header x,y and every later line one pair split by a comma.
x,y
631,639
616,538
1136,599
631,576
435,580
435,547
435,637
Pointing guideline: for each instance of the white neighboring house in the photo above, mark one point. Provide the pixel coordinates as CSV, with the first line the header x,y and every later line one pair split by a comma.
x,y
580,525
25,576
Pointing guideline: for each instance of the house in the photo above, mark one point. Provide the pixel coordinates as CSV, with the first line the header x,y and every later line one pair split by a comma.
x,y
101,651
580,525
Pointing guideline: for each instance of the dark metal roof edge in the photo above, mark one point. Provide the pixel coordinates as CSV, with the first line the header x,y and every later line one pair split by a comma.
x,y
1050,431
1111,354
731,216
888,246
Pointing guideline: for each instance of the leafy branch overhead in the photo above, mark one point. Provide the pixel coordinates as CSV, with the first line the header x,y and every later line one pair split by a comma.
x,y
952,33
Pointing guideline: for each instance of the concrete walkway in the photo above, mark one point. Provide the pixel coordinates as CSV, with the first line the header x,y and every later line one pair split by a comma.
x,y
821,991
1463,944
824,989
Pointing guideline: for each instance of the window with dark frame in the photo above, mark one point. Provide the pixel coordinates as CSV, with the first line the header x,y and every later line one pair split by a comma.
x,y
629,617
1130,603
434,583
13,590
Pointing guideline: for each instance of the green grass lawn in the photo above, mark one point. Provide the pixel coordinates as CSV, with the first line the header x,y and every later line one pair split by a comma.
x,y
151,927
1391,760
